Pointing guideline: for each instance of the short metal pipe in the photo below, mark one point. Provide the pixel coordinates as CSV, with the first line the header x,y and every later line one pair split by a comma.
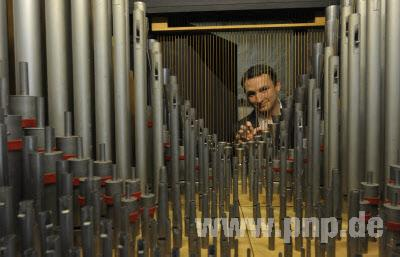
x,y
332,26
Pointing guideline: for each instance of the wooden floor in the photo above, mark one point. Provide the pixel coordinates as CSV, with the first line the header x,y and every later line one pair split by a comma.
x,y
259,246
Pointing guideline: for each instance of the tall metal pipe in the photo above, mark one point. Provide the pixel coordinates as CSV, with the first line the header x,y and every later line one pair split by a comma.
x,y
328,52
333,118
373,92
57,65
346,10
157,110
121,93
353,149
140,76
392,86
311,87
102,75
28,43
4,77
361,10
82,72
316,102
332,26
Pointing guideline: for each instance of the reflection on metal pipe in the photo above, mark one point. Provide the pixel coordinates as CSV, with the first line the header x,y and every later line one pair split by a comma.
x,y
27,43
332,25
103,75
353,166
56,52
82,72
140,76
121,93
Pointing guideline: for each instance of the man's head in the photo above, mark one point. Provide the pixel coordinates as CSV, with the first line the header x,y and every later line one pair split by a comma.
x,y
261,87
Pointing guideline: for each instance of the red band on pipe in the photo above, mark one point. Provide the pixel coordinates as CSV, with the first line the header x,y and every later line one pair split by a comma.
x,y
104,179
167,145
152,211
167,158
290,170
290,159
75,181
182,157
29,122
276,170
137,195
108,200
133,216
150,123
69,156
373,200
49,178
15,145
81,200
393,226
197,168
322,148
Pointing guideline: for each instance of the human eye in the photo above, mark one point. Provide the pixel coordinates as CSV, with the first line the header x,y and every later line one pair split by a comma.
x,y
250,94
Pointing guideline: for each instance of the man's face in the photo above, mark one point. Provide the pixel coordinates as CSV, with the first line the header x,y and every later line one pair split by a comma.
x,y
262,93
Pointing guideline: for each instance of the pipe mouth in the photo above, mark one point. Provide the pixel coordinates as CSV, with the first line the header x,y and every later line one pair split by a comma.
x,y
332,12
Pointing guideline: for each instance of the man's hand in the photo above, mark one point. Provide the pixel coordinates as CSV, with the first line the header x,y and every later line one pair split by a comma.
x,y
246,132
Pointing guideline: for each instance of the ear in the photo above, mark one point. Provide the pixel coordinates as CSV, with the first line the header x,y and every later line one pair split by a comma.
x,y
278,86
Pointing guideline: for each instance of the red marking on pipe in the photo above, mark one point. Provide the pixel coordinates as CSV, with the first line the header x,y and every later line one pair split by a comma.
x,y
210,177
81,200
104,179
49,178
393,226
167,158
152,211
42,150
290,170
366,217
15,145
141,210
167,145
182,157
321,147
149,123
108,200
197,168
391,181
28,122
373,200
75,181
69,156
290,159
276,170
133,216
137,195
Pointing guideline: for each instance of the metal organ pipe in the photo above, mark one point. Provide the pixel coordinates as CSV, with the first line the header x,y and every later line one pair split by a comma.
x,y
157,110
56,52
4,77
140,76
27,43
82,72
373,91
354,155
346,10
121,92
103,75
392,86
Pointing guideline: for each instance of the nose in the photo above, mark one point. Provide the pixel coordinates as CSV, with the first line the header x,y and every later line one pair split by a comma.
x,y
259,97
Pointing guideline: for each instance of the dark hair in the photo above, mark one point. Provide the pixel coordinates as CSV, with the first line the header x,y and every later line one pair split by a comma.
x,y
258,70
